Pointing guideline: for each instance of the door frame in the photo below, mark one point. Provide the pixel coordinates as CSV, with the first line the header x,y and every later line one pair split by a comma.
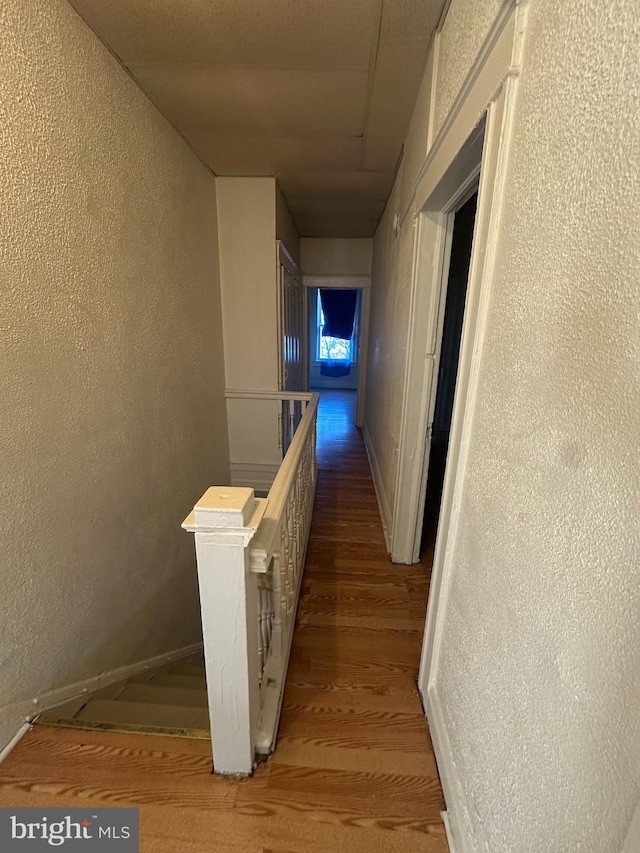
x,y
285,261
432,250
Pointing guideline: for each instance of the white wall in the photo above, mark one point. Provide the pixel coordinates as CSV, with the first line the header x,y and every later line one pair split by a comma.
x,y
247,239
538,677
113,417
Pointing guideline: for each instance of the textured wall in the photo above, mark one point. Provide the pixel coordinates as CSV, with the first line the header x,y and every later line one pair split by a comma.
x,y
415,145
247,238
464,30
113,420
540,668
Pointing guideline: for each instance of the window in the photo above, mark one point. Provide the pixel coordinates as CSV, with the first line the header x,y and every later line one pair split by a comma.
x,y
334,349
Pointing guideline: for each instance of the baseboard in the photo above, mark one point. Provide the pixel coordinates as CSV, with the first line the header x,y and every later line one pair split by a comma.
x,y
456,822
447,828
254,475
383,503
15,719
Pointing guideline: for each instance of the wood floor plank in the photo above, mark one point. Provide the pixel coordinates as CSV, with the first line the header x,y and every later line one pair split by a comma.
x,y
310,752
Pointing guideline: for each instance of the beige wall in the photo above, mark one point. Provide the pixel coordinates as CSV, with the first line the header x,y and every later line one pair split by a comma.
x,y
286,228
538,675
113,417
247,239
463,33
336,256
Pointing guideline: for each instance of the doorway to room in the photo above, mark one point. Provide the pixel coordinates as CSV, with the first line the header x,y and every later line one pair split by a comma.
x,y
334,351
335,368
457,280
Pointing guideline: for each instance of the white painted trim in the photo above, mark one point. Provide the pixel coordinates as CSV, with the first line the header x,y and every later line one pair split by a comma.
x,y
286,259
337,281
449,832
254,475
248,394
433,89
15,740
421,366
457,823
378,484
363,354
26,711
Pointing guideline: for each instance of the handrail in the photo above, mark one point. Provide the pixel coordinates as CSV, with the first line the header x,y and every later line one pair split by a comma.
x,y
232,393
266,539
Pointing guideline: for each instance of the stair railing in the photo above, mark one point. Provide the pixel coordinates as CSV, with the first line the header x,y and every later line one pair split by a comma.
x,y
250,553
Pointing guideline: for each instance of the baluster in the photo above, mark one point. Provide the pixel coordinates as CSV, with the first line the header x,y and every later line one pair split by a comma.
x,y
277,626
292,418
291,534
260,640
284,579
268,623
268,619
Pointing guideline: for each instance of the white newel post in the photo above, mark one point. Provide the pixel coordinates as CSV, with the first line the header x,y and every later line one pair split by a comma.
x,y
224,521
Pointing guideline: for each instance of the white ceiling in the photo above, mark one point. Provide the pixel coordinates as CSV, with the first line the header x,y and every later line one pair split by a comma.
x,y
318,93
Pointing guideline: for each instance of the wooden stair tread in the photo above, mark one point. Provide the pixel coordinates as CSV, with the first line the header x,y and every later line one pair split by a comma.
x,y
158,695
144,714
169,679
193,670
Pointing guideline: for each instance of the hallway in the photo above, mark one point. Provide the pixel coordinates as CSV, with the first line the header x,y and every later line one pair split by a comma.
x,y
353,770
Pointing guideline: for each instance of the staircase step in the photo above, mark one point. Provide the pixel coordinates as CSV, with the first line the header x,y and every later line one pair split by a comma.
x,y
143,714
168,679
158,695
195,670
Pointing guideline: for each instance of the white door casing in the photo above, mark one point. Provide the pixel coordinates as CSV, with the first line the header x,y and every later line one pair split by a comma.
x,y
292,324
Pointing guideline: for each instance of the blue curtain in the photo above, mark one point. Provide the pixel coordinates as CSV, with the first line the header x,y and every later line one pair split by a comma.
x,y
339,309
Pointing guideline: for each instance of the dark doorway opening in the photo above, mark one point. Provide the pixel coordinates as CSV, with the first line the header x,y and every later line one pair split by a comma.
x,y
448,371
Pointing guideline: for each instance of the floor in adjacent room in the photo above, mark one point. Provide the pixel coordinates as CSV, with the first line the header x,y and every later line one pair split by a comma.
x,y
354,768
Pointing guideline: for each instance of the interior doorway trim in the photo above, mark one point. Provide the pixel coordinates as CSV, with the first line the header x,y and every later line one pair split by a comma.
x,y
449,173
426,319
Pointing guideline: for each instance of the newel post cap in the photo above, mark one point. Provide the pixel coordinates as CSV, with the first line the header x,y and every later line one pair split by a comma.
x,y
225,508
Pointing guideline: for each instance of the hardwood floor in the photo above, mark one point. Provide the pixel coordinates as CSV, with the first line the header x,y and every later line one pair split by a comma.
x,y
353,770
